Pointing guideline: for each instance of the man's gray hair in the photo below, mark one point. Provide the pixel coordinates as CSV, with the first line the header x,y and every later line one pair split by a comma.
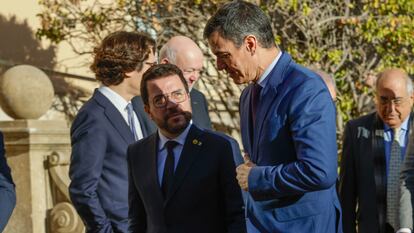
x,y
167,52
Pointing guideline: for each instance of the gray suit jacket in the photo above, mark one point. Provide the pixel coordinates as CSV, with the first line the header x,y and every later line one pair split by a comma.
x,y
407,185
200,109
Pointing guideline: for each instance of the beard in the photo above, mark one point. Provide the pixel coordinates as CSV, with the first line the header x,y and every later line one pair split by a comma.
x,y
176,121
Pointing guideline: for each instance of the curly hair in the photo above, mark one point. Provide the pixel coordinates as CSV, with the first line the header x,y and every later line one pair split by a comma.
x,y
119,53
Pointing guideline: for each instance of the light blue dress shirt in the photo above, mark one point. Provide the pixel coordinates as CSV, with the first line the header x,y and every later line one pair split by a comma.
x,y
162,150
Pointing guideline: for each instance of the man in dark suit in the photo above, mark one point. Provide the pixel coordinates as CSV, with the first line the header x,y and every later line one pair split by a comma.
x,y
287,126
185,53
7,191
367,185
104,127
182,178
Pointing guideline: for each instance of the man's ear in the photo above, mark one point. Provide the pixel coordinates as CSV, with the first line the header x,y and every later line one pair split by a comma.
x,y
129,74
147,110
250,42
164,61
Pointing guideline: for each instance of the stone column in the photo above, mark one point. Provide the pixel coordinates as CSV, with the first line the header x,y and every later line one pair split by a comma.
x,y
38,153
28,143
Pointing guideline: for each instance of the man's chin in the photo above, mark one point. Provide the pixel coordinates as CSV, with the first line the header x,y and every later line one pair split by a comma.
x,y
177,127
393,123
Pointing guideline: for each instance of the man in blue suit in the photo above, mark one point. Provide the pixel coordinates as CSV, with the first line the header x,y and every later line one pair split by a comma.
x,y
104,127
287,125
7,192
182,179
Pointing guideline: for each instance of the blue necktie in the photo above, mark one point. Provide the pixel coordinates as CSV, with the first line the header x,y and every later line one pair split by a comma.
x,y
131,121
169,166
393,182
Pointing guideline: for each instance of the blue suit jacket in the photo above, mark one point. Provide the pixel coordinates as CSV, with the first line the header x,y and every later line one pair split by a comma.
x,y
98,169
204,196
293,143
7,192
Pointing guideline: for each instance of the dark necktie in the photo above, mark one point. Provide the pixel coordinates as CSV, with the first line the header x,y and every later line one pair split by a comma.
x,y
255,100
168,175
131,121
393,182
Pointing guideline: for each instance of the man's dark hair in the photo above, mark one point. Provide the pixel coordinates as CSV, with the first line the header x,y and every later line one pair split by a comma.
x,y
237,19
160,71
119,53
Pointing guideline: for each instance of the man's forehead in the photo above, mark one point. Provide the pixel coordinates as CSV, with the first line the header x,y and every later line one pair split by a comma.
x,y
168,82
218,43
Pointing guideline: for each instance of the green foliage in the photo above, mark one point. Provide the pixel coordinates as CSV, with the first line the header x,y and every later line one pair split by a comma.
x,y
349,39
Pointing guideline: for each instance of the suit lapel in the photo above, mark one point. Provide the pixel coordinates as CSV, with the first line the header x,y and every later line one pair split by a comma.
x,y
267,97
410,135
115,117
147,126
191,149
378,152
151,171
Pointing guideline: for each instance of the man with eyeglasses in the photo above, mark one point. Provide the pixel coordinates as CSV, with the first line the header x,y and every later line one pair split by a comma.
x,y
181,178
186,55
376,149
104,127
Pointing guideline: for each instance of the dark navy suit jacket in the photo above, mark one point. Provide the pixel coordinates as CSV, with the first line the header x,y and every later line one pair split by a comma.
x,y
363,179
205,196
7,192
293,143
200,109
98,169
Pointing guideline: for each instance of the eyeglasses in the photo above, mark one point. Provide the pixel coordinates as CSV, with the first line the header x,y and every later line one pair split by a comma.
x,y
179,96
398,101
193,71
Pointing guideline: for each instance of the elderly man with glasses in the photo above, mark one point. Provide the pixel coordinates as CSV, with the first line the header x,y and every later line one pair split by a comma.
x,y
377,148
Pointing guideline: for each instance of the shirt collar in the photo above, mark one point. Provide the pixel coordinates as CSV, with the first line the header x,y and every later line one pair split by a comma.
x,y
262,80
404,125
180,139
117,100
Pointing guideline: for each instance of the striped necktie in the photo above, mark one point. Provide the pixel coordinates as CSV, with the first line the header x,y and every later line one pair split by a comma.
x,y
131,121
393,182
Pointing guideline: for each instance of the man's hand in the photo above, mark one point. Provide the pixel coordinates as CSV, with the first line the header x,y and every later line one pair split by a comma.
x,y
243,171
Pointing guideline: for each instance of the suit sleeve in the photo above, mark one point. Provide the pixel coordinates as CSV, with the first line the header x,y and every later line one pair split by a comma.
x,y
137,217
89,142
347,184
233,201
407,188
7,191
312,128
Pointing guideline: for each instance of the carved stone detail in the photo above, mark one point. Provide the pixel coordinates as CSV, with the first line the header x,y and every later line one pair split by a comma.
x,y
64,219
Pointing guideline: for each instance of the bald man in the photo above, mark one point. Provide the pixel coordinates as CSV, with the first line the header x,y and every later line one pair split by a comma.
x,y
329,81
185,53
376,148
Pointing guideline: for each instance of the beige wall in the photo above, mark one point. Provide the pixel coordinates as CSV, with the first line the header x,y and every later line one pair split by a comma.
x,y
20,32
67,61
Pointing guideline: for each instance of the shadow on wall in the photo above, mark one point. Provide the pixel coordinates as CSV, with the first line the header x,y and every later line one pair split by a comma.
x,y
18,45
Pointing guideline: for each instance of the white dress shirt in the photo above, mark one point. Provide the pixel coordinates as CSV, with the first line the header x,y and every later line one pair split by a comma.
x,y
121,104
